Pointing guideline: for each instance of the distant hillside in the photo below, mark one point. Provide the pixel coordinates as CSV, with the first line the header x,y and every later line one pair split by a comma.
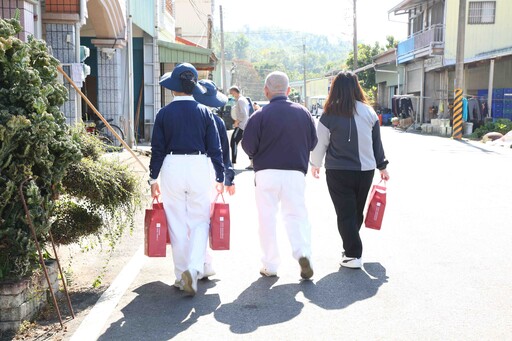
x,y
272,48
258,52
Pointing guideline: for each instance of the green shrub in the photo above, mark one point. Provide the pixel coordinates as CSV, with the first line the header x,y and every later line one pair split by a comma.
x,y
35,143
73,221
502,126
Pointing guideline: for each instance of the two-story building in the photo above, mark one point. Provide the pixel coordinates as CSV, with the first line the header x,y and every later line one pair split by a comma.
x,y
428,56
130,44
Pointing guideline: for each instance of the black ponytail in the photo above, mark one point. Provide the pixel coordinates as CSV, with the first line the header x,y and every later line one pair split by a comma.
x,y
188,82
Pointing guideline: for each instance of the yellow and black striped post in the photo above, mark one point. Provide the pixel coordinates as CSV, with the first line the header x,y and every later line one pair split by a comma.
x,y
457,115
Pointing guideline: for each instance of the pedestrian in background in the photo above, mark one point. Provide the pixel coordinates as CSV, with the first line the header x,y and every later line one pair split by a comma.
x,y
184,137
208,94
279,138
349,139
240,115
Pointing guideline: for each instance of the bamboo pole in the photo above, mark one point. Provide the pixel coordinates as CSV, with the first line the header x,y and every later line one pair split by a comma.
x,y
59,68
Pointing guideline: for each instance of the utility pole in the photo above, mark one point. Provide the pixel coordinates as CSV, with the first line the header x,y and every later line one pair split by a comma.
x,y
354,42
304,52
130,136
222,53
459,72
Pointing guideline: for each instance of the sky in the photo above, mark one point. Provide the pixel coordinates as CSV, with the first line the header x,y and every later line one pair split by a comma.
x,y
332,18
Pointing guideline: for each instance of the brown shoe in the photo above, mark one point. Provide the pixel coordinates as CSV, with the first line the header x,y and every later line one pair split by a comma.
x,y
306,271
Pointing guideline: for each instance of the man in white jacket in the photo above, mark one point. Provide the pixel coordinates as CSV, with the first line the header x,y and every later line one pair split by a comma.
x,y
240,115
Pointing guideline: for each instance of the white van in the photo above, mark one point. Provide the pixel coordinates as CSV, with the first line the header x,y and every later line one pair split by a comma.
x,y
317,105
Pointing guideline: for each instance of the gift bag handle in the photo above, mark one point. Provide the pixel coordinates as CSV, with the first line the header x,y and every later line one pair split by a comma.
x,y
381,186
217,198
212,206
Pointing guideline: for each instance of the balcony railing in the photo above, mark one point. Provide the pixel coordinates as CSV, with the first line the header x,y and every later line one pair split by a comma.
x,y
429,38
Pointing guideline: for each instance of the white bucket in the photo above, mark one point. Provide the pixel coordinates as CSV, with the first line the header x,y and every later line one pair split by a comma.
x,y
468,128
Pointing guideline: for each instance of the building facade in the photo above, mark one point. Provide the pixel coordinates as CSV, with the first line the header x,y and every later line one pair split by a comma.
x,y
115,51
428,55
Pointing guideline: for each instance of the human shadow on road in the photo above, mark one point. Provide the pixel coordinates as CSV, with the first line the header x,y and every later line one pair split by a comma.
x,y
346,286
260,305
160,312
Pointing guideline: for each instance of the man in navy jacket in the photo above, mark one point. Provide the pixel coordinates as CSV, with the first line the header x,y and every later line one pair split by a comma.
x,y
279,138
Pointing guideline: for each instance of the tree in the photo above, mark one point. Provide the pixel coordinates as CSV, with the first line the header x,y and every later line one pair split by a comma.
x,y
240,46
365,54
248,79
391,42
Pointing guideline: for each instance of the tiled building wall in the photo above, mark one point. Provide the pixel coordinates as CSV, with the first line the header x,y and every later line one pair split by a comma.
x,y
69,108
61,38
109,91
8,9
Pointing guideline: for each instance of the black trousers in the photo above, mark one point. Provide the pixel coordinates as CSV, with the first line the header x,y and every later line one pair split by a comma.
x,y
349,190
235,140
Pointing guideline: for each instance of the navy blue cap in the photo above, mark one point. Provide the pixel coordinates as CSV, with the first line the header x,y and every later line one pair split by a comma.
x,y
206,93
172,81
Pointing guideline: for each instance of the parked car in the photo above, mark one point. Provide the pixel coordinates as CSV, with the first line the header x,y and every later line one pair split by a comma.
x,y
317,105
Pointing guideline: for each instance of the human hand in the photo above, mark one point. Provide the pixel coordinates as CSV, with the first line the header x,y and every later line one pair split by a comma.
x,y
155,190
315,171
230,189
384,175
219,186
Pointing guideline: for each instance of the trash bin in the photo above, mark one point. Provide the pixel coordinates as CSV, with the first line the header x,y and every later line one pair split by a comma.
x,y
468,128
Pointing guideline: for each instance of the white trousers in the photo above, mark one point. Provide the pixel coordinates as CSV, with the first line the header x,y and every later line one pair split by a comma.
x,y
286,187
186,190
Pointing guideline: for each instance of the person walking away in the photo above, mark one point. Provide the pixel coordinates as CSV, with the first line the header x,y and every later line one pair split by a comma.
x,y
349,139
240,115
279,138
208,94
184,137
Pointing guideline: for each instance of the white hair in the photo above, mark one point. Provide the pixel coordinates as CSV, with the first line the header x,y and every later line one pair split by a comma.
x,y
277,83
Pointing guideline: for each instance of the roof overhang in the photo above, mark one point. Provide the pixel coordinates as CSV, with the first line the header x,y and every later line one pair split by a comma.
x,y
404,6
364,68
201,58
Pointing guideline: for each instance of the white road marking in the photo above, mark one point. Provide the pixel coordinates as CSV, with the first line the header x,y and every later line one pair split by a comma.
x,y
92,325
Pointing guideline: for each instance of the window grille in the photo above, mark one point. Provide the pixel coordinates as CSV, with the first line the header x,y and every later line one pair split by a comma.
x,y
482,12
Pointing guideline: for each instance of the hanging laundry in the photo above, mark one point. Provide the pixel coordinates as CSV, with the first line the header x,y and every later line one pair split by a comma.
x,y
465,109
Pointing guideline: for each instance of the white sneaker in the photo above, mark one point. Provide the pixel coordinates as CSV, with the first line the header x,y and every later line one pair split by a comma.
x,y
178,283
306,272
351,262
208,271
266,273
189,279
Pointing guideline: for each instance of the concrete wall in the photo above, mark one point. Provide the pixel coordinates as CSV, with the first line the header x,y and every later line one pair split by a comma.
x,y
194,23
477,77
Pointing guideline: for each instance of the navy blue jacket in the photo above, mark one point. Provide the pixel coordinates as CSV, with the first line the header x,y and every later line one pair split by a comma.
x,y
185,126
280,136
229,172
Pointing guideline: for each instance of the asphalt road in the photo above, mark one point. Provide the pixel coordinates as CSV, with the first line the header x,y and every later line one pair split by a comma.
x,y
439,269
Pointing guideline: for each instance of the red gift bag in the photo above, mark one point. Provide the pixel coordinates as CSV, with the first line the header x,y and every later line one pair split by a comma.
x,y
155,230
219,225
376,207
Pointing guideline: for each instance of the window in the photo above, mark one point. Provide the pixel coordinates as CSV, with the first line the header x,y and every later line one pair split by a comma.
x,y
482,12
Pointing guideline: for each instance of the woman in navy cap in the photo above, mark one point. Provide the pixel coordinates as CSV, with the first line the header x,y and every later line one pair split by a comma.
x,y
206,93
184,137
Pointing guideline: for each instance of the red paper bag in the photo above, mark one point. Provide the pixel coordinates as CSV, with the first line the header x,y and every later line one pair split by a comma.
x,y
155,231
376,207
219,225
